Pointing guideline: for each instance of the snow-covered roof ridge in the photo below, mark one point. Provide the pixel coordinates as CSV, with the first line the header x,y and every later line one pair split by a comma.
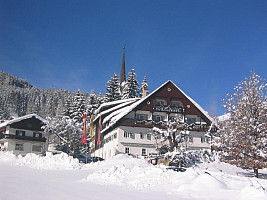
x,y
18,119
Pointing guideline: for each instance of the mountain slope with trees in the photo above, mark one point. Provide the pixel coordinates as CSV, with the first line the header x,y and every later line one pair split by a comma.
x,y
18,98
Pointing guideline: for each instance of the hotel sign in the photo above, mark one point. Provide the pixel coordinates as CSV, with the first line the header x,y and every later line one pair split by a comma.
x,y
170,109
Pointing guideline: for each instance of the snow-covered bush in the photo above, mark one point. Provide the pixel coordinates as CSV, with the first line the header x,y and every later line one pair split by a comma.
x,y
184,158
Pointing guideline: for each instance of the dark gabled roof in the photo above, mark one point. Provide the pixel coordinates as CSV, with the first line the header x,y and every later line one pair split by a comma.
x,y
116,116
12,121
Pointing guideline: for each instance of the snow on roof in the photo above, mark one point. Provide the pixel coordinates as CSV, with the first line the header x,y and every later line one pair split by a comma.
x,y
20,119
119,114
120,105
112,103
115,116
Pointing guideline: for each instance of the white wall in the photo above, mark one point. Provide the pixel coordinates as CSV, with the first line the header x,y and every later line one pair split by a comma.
x,y
136,144
27,145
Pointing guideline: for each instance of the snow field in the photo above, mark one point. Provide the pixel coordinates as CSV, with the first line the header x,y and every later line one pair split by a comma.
x,y
213,180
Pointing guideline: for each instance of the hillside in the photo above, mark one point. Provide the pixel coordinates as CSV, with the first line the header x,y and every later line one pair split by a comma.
x,y
18,97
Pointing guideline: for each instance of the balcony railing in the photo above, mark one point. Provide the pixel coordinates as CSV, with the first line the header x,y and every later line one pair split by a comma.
x,y
9,136
151,124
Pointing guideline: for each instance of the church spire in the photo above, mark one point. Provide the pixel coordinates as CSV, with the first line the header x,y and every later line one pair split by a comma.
x,y
122,74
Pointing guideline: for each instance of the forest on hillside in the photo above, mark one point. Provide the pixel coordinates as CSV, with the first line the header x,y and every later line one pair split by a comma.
x,y
18,98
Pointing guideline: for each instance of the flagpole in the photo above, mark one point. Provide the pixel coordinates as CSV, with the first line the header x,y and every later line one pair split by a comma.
x,y
86,152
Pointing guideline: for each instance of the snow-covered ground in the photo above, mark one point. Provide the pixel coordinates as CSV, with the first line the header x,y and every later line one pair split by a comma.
x,y
123,177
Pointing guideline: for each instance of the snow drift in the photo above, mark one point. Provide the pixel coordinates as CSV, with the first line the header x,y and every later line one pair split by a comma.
x,y
213,180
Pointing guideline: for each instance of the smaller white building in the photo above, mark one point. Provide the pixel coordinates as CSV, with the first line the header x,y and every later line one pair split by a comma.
x,y
23,135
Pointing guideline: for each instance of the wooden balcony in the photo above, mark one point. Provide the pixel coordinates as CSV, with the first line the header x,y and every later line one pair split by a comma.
x,y
151,124
36,139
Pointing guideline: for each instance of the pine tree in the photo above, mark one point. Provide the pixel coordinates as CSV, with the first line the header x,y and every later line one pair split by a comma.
x,y
244,138
77,108
131,89
144,88
113,89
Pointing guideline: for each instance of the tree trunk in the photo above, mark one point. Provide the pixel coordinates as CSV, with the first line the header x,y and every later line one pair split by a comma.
x,y
256,172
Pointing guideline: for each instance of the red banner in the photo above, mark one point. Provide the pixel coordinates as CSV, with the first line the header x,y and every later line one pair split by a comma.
x,y
84,129
99,130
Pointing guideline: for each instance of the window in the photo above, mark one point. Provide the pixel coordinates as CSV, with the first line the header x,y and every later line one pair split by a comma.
x,y
178,104
190,139
158,118
39,135
191,120
141,135
20,133
144,152
172,118
19,147
127,150
142,116
126,134
148,136
202,139
129,134
160,102
36,148
115,135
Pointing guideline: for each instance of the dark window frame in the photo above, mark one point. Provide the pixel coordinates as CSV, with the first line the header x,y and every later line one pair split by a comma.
x,y
20,133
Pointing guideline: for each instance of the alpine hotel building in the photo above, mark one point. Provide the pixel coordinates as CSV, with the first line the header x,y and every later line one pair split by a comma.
x,y
124,126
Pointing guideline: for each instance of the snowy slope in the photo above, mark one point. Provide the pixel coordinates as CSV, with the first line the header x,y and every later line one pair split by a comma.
x,y
123,177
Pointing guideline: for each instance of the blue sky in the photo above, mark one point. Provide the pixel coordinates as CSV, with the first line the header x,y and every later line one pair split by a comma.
x,y
205,47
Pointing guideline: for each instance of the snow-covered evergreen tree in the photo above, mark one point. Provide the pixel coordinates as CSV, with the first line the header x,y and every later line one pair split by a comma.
x,y
144,88
78,107
93,102
113,89
244,138
131,89
65,133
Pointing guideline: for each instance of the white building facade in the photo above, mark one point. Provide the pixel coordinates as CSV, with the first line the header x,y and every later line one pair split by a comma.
x,y
125,126
23,135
